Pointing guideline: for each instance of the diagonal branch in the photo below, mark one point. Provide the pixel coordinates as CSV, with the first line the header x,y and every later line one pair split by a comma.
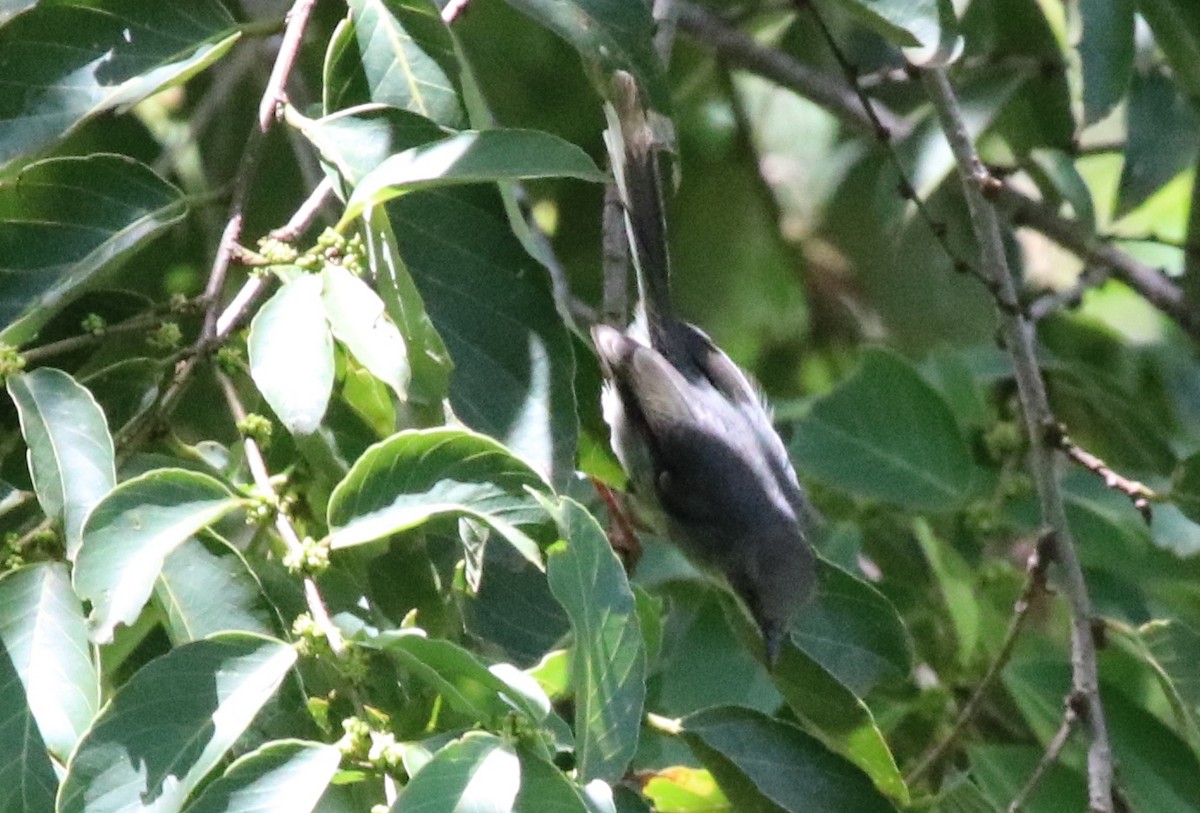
x,y
1017,333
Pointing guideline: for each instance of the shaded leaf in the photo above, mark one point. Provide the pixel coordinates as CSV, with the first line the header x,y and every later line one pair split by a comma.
x,y
64,219
460,678
42,628
1163,140
1003,770
356,316
129,534
492,303
67,62
1186,491
205,586
472,156
288,776
958,587
27,780
166,728
609,35
544,788
903,22
1172,648
416,475
396,52
1176,27
885,434
70,450
763,764
608,665
1106,50
476,774
291,354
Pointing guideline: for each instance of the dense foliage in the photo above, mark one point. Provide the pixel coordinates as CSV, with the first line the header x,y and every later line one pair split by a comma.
x,y
299,454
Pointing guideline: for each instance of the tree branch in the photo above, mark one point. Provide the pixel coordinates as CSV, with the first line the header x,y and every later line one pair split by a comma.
x,y
1017,333
1053,749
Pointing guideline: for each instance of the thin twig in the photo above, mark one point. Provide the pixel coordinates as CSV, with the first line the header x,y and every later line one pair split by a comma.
x,y
1053,749
1045,304
1035,585
283,523
1017,333
307,212
743,51
1138,493
1150,282
142,321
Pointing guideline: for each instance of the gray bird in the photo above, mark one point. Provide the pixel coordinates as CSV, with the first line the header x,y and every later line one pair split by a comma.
x,y
706,467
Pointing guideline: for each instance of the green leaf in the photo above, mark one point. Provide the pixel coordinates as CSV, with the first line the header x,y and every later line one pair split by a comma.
x,y
472,156
608,665
291,354
885,434
67,62
686,790
287,776
476,774
43,630
1176,27
64,219
206,587
70,451
763,764
544,788
416,475
171,724
357,318
958,587
396,52
1164,137
1106,50
514,365
610,35
1185,492
1172,648
27,780
1003,770
853,631
129,534
903,22
460,678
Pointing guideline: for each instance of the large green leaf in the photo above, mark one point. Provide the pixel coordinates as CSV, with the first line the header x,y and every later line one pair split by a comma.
x,y
287,776
70,450
171,724
64,219
1172,648
43,629
1003,770
957,584
610,35
461,679
27,780
513,362
472,156
357,318
853,631
291,354
396,52
416,475
1176,27
912,23
608,665
205,587
885,434
1163,139
131,532
544,788
763,764
65,62
1106,50
476,774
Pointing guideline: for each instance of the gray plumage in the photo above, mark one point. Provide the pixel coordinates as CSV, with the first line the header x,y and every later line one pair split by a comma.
x,y
704,461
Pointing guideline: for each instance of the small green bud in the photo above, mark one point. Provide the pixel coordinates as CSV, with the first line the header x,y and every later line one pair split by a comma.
x,y
168,336
1004,439
94,324
11,361
230,359
257,428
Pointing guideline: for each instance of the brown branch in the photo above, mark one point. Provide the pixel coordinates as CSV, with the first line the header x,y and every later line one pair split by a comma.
x,y
307,212
1017,333
1138,493
1073,707
1035,585
142,321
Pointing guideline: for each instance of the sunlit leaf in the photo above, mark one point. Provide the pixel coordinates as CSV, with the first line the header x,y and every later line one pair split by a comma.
x,y
27,780
288,775
129,534
171,724
205,586
477,774
70,451
356,316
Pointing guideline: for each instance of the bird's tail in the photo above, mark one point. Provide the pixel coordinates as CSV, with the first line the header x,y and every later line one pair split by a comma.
x,y
633,147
